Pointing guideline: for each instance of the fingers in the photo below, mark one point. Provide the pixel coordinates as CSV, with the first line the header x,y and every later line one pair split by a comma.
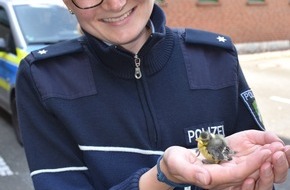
x,y
254,161
264,137
271,137
266,180
182,166
254,137
249,184
280,166
228,173
274,171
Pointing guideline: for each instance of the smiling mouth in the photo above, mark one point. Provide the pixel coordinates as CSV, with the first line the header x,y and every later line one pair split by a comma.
x,y
118,19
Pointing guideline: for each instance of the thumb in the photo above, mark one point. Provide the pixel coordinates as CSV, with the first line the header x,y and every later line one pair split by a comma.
x,y
197,175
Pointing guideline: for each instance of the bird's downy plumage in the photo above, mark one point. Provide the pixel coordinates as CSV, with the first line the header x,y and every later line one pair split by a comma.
x,y
214,148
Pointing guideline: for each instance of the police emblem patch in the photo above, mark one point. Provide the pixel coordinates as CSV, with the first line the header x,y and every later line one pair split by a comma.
x,y
250,101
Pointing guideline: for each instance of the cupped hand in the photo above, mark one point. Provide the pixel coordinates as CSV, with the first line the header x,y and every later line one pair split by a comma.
x,y
249,169
253,139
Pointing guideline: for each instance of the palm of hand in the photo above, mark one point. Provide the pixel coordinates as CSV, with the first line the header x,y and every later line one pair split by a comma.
x,y
252,151
254,148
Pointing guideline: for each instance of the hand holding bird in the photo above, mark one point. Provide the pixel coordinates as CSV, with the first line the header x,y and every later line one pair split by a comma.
x,y
256,151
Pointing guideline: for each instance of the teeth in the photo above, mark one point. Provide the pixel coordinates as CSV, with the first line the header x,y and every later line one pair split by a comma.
x,y
117,19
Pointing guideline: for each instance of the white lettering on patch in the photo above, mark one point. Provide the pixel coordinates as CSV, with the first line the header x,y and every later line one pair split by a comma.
x,y
248,95
194,132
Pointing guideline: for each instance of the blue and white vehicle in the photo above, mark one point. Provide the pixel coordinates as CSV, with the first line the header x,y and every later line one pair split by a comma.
x,y
27,25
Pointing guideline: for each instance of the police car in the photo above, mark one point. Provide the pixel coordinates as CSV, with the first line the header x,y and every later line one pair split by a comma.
x,y
27,25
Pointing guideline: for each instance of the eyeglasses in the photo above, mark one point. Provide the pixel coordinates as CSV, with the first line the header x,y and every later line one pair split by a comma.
x,y
87,4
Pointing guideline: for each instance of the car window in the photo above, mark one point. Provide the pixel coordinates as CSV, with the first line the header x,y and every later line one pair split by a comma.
x,y
5,31
46,23
3,17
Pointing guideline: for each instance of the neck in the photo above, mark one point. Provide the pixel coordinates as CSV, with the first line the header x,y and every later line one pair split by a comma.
x,y
136,44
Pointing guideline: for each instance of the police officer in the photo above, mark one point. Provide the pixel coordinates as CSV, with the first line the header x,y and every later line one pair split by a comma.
x,y
120,107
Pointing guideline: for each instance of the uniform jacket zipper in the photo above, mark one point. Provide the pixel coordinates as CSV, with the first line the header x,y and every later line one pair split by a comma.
x,y
138,73
146,101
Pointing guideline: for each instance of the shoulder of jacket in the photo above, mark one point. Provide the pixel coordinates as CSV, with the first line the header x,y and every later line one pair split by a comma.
x,y
201,37
58,49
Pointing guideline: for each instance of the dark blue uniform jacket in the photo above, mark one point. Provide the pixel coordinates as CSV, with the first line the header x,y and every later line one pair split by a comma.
x,y
88,123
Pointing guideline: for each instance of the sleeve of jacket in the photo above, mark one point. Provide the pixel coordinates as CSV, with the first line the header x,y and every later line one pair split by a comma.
x,y
54,159
132,183
55,163
249,116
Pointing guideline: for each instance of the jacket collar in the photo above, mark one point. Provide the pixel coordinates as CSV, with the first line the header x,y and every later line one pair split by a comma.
x,y
154,54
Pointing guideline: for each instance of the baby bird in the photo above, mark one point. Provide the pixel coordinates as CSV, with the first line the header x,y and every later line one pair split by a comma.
x,y
214,148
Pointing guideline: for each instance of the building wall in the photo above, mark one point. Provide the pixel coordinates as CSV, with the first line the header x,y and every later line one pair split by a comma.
x,y
269,21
